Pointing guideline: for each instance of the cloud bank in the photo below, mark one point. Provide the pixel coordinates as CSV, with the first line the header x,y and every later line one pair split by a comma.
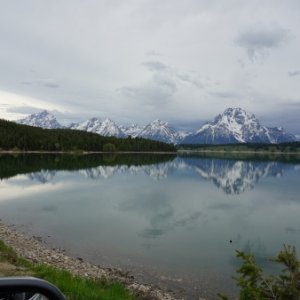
x,y
180,61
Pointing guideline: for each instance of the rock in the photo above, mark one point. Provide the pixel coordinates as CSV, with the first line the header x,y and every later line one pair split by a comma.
x,y
34,250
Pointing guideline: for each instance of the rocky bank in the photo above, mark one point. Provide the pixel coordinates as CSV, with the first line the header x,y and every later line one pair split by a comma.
x,y
33,250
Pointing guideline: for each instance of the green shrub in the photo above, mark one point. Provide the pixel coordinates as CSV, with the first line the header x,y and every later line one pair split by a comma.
x,y
254,285
109,148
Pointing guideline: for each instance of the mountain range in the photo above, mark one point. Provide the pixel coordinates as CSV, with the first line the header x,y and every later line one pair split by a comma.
x,y
234,125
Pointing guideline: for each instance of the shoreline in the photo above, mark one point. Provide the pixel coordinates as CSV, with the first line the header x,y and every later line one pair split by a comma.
x,y
236,152
181,151
86,152
36,252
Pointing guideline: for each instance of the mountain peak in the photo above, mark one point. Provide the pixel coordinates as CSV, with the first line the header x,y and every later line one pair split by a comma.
x,y
43,119
159,123
108,121
235,125
238,114
160,131
132,130
106,127
234,110
43,113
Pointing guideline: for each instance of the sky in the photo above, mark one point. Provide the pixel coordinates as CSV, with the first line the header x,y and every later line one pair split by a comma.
x,y
138,60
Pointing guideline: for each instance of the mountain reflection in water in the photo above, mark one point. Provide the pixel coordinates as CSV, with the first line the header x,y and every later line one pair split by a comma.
x,y
233,177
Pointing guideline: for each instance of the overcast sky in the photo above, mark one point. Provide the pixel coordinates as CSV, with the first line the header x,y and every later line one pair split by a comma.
x,y
138,60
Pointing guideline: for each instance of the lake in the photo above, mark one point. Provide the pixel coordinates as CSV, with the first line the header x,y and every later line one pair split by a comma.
x,y
167,219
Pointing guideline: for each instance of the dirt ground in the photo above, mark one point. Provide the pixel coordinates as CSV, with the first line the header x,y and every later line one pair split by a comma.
x,y
7,269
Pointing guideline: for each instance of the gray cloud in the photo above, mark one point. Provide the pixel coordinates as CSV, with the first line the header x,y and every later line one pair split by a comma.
x,y
24,109
194,81
155,66
153,53
295,103
226,94
294,73
41,83
157,91
163,85
173,60
292,230
259,41
51,85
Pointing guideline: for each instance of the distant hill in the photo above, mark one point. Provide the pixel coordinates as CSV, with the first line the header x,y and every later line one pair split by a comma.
x,y
29,138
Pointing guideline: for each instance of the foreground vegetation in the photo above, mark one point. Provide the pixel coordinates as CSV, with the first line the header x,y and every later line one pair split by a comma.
x,y
74,288
252,282
254,285
18,137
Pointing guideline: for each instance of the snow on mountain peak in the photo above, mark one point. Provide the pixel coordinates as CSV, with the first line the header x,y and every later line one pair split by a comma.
x,y
110,128
43,119
160,131
95,125
133,130
89,125
159,123
235,125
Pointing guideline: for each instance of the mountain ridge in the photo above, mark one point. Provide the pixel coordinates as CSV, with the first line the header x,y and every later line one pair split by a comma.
x,y
234,125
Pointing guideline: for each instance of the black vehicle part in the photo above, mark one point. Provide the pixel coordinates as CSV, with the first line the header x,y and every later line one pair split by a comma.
x,y
30,285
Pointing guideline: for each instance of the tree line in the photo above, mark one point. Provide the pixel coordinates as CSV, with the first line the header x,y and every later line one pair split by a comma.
x,y
15,136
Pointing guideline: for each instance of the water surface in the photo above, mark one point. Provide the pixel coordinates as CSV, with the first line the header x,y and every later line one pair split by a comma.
x,y
168,219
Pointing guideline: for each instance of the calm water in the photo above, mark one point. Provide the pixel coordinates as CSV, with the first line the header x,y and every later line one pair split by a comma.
x,y
167,219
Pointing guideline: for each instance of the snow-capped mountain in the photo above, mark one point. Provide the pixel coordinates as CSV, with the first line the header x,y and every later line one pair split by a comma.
x,y
42,119
279,135
161,131
181,135
133,130
95,125
91,125
235,125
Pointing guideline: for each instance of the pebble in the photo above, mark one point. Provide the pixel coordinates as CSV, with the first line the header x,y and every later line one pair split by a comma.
x,y
34,250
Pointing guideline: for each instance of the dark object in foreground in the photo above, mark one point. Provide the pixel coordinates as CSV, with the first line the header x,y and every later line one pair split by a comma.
x,y
28,288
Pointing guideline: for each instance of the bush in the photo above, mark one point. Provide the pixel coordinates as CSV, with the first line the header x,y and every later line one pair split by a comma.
x,y
255,286
109,148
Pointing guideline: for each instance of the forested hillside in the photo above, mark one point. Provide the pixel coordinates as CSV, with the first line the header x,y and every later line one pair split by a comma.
x,y
27,138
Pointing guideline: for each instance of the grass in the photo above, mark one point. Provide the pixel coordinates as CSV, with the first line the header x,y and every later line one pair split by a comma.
x,y
73,287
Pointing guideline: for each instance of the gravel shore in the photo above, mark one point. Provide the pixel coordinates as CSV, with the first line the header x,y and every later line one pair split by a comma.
x,y
33,250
